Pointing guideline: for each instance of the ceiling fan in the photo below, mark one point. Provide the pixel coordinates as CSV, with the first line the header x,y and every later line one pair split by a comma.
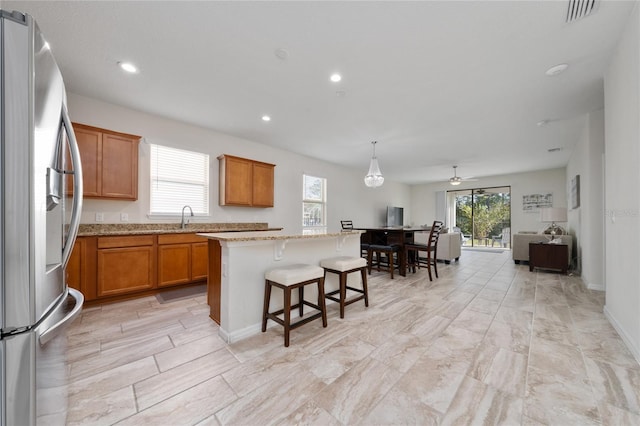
x,y
457,180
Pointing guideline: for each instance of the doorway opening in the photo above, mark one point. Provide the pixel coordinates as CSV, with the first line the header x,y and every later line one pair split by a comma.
x,y
483,216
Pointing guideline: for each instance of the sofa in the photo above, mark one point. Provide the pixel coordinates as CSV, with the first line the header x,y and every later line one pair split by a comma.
x,y
521,242
449,245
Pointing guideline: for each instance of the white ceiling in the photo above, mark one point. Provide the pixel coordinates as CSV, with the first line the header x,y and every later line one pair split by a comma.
x,y
436,83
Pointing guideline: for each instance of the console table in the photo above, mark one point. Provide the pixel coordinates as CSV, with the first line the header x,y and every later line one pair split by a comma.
x,y
548,256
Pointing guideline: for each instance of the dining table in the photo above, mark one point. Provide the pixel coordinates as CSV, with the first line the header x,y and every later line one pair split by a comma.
x,y
392,235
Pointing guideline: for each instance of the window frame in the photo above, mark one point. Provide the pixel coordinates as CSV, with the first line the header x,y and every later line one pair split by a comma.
x,y
318,228
205,183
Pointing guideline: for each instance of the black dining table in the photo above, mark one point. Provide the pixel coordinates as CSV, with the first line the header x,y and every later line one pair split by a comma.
x,y
392,236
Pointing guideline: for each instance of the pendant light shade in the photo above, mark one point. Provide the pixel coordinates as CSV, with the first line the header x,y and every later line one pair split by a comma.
x,y
374,178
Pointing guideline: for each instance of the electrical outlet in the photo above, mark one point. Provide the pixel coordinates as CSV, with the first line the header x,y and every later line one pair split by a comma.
x,y
99,217
124,217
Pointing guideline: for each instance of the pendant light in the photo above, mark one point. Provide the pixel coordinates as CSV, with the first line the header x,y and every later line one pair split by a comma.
x,y
374,178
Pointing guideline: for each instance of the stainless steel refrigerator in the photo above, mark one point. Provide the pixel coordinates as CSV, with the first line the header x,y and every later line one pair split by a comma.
x,y
39,218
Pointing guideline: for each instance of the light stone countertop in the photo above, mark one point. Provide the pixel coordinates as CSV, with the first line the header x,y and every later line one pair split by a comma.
x,y
273,235
107,229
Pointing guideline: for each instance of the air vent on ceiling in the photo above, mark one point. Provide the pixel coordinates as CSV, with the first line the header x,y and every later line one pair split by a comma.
x,y
579,9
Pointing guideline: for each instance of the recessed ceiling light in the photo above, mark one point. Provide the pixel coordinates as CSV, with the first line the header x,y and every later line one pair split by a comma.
x,y
555,70
542,123
266,118
281,54
128,67
335,77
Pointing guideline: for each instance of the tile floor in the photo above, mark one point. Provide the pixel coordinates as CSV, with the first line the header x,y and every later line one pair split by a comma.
x,y
487,343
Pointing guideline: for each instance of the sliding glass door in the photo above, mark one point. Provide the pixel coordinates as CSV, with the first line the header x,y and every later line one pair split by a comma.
x,y
483,216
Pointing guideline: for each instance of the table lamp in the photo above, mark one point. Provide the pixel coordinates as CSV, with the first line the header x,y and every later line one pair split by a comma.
x,y
553,215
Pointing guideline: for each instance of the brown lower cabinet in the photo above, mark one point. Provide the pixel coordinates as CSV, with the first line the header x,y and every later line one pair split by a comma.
x,y
81,269
126,264
182,258
113,267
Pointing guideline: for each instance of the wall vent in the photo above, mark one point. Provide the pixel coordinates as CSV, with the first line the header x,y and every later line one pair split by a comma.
x,y
579,9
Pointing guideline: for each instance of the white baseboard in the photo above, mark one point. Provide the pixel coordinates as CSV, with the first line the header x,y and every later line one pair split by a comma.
x,y
596,286
625,337
238,335
243,333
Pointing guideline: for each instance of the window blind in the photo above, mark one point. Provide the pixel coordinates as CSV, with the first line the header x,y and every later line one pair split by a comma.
x,y
178,178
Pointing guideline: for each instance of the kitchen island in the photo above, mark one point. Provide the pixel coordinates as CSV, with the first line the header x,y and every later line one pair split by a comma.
x,y
239,260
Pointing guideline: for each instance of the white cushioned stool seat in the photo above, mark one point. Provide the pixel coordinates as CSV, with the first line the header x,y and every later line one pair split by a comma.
x,y
342,266
289,278
343,263
293,274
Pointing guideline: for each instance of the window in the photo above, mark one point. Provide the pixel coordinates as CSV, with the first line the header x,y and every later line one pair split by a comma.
x,y
314,200
178,178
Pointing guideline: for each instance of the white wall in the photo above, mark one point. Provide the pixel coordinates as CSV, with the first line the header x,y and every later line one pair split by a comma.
x,y
622,179
586,222
348,197
423,197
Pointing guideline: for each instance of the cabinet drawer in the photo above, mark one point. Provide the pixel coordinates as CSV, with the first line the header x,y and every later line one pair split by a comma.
x,y
180,239
125,241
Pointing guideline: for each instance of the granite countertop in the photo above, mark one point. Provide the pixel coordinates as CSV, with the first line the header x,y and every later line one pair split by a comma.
x,y
273,235
89,230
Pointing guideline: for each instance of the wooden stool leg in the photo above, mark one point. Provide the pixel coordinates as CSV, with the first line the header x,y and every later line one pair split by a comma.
x,y
321,301
429,265
364,287
287,315
343,292
301,300
265,309
391,264
369,259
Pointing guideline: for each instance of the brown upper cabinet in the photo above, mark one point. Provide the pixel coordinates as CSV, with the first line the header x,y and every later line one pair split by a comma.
x,y
245,182
109,163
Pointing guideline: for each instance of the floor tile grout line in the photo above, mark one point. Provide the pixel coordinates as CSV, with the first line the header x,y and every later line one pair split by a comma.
x,y
452,282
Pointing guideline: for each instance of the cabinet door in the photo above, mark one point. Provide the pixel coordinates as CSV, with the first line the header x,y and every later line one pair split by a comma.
x,y
80,272
174,264
73,271
89,144
123,270
262,185
199,261
119,167
237,181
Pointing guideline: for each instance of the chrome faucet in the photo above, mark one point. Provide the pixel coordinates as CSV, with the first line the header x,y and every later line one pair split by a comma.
x,y
183,223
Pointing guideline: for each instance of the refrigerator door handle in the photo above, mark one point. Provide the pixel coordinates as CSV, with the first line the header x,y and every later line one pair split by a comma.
x,y
58,327
77,188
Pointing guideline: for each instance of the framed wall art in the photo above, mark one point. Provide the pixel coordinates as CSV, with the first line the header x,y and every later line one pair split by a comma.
x,y
532,203
575,192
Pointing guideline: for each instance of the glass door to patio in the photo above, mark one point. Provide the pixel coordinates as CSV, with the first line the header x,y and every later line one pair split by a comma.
x,y
483,216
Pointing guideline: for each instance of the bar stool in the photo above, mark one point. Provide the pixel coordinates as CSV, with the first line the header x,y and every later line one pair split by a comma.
x,y
288,278
343,266
388,250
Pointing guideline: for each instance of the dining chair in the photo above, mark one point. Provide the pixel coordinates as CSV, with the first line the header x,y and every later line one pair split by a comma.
x,y
412,251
